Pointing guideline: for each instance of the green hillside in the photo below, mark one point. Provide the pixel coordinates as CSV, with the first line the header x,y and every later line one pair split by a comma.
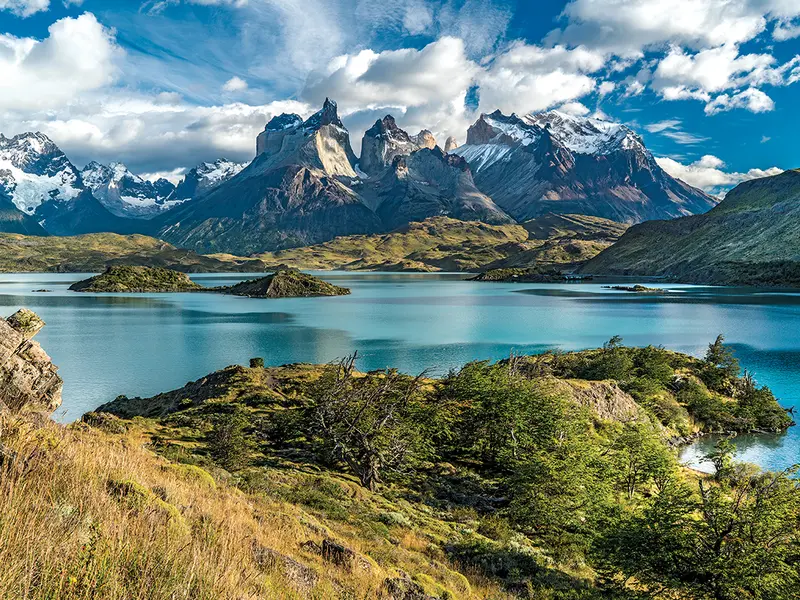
x,y
444,244
94,252
751,238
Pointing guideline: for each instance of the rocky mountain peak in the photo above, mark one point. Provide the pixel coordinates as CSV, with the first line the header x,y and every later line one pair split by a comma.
x,y
284,121
587,135
424,139
124,193
328,115
451,144
385,141
206,176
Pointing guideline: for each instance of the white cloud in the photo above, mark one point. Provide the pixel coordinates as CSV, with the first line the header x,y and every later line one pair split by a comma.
x,y
153,134
751,99
574,108
76,57
24,8
629,26
707,173
533,78
235,84
673,129
606,88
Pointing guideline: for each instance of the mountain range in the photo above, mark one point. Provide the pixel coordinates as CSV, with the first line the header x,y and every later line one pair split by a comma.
x,y
306,185
751,238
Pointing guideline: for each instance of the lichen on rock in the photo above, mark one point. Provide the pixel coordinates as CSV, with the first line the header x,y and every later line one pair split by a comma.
x,y
29,380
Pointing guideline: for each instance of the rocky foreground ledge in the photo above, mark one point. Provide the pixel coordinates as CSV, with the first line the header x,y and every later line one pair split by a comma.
x,y
29,380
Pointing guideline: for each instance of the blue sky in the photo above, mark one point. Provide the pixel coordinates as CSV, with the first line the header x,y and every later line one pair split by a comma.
x,y
711,85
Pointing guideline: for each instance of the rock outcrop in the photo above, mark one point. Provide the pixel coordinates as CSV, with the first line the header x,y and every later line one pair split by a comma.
x,y
29,380
125,279
285,283
385,140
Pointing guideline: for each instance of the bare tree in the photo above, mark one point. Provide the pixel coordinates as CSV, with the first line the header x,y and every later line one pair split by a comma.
x,y
364,419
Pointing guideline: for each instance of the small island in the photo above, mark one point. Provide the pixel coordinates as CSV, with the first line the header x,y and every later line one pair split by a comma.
x,y
533,275
137,280
284,283
636,289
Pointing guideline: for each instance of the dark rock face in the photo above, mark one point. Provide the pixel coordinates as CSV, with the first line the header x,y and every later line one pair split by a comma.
x,y
556,163
385,141
29,381
430,183
296,192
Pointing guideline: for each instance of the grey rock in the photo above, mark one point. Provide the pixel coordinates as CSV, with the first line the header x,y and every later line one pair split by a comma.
x,y
29,380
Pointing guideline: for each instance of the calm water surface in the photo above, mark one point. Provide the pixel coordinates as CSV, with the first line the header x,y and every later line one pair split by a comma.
x,y
139,345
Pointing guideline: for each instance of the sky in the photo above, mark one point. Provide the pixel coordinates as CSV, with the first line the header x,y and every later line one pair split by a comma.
x,y
713,86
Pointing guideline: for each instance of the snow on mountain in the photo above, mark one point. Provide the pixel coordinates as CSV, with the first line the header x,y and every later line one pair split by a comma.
x,y
203,178
555,162
33,170
125,194
587,135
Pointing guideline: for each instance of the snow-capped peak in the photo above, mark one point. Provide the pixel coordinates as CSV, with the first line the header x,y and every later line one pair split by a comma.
x,y
33,170
586,135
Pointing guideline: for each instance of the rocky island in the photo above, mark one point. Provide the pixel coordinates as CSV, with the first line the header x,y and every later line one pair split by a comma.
x,y
636,289
533,275
137,280
284,283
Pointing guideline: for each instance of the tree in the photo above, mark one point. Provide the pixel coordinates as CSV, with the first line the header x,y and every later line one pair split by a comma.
x,y
227,441
733,540
722,458
641,458
721,367
371,423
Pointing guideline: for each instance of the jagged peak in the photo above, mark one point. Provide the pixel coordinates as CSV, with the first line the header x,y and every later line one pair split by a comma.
x,y
284,121
328,115
33,141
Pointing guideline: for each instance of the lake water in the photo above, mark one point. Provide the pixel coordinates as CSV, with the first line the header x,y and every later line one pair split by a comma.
x,y
139,345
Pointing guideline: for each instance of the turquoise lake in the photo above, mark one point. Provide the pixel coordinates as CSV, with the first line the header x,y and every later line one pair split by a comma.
x,y
139,345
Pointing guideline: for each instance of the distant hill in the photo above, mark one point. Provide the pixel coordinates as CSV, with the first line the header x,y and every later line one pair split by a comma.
x,y
92,253
751,238
445,244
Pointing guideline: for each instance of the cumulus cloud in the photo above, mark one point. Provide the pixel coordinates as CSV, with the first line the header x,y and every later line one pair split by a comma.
x,y
630,26
24,8
533,78
426,87
708,173
751,99
235,84
155,134
76,57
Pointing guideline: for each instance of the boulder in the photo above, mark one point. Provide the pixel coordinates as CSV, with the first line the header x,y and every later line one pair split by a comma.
x,y
299,576
29,380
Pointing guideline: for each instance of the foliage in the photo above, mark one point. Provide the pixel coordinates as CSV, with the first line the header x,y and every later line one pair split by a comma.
x,y
733,540
368,423
227,441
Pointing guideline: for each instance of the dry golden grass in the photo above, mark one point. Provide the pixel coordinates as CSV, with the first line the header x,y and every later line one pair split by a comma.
x,y
89,515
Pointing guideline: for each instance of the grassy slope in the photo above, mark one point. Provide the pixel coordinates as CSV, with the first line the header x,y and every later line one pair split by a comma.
x,y
94,252
438,244
444,244
750,238
137,508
